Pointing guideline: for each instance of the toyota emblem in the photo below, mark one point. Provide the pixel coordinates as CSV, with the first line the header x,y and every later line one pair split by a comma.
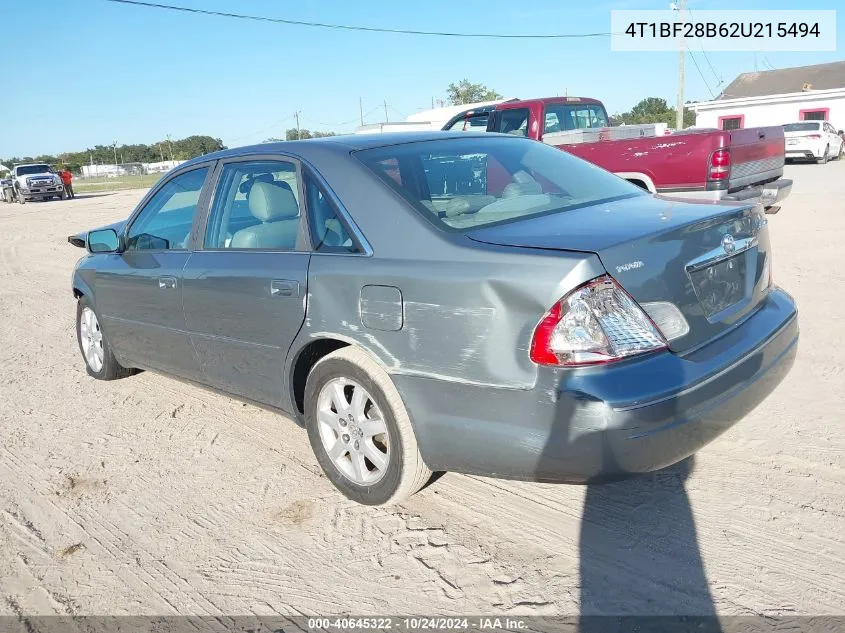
x,y
728,243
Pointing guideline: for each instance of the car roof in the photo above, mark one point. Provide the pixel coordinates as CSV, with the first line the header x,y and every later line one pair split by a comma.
x,y
566,100
341,144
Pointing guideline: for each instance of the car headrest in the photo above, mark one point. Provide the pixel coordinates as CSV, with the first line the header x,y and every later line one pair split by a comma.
x,y
523,185
269,203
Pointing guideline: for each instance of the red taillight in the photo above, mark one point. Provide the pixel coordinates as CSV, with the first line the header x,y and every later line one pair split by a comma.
x,y
596,323
720,165
814,136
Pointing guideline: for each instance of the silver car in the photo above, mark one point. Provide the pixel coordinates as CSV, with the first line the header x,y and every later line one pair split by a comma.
x,y
444,301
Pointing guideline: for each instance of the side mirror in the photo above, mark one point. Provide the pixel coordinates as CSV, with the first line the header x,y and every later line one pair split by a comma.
x,y
840,132
104,241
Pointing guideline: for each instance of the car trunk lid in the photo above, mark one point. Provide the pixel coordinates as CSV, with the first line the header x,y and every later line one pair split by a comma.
x,y
711,261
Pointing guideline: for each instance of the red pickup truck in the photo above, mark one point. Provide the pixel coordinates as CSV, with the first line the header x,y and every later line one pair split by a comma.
x,y
706,164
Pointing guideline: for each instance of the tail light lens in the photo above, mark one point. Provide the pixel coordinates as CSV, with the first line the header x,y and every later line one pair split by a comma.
x,y
596,323
720,165
814,136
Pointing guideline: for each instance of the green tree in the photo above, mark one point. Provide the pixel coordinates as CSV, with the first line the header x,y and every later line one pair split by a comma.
x,y
653,110
301,134
467,92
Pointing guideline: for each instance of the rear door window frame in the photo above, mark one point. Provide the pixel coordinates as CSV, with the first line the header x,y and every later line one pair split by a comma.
x,y
303,237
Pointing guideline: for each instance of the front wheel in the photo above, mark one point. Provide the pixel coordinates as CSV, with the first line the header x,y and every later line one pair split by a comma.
x,y
360,431
21,198
99,360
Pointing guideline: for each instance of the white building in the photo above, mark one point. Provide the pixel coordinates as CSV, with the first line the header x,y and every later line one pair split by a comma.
x,y
775,97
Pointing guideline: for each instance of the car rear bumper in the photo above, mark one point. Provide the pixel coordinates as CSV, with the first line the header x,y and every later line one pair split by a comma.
x,y
603,422
767,195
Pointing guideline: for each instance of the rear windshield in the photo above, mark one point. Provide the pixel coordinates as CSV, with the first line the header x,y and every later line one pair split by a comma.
x,y
562,118
462,184
801,127
27,170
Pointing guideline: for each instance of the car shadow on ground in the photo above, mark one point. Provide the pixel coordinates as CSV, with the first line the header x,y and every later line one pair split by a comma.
x,y
98,194
639,556
640,566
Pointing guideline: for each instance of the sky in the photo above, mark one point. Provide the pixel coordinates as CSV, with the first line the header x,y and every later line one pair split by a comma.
x,y
106,72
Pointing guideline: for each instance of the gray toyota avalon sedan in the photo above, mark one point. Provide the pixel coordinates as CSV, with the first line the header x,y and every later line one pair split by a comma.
x,y
427,302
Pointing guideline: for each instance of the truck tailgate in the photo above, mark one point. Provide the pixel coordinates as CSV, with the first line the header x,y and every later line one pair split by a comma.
x,y
757,156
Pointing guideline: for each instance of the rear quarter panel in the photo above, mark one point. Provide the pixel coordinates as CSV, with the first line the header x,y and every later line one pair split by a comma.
x,y
467,317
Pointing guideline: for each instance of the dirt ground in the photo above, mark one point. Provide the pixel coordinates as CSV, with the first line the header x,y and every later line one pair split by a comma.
x,y
150,496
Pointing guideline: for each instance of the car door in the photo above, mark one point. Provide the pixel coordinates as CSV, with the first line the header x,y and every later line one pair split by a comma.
x,y
245,285
139,291
834,139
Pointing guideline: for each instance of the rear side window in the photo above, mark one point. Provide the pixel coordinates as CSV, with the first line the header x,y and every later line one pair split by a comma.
x,y
256,206
328,231
461,183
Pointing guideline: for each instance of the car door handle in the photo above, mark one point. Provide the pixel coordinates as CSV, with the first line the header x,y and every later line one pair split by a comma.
x,y
284,288
166,282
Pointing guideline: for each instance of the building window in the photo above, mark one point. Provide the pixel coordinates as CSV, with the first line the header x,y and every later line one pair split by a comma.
x,y
816,114
732,122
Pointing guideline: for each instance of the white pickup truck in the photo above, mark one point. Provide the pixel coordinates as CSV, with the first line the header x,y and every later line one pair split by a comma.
x,y
36,182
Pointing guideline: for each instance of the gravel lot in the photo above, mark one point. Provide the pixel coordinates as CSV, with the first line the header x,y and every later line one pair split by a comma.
x,y
151,496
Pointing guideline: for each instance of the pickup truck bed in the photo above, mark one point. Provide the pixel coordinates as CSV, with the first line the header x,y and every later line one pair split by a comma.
x,y
704,164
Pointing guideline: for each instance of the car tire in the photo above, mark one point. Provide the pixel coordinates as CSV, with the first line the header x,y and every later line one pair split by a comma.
x,y
380,422
823,159
21,198
96,353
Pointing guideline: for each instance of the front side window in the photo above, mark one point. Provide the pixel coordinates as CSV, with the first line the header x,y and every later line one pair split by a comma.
x,y
256,206
514,121
471,123
467,183
565,117
165,222
328,232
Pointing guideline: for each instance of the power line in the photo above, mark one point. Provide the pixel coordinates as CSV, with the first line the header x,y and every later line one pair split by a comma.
x,y
342,123
692,57
348,27
707,59
264,129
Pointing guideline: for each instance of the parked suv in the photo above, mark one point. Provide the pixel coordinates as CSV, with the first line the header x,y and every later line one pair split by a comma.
x,y
36,182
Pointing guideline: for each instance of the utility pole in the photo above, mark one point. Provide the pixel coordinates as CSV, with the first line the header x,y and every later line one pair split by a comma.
x,y
361,109
679,117
170,147
385,111
296,116
114,147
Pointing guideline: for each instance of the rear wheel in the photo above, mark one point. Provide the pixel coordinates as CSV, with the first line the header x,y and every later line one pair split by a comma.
x,y
360,431
823,159
99,360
